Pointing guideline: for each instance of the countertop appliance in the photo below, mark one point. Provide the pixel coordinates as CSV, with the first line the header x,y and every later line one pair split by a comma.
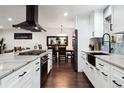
x,y
31,22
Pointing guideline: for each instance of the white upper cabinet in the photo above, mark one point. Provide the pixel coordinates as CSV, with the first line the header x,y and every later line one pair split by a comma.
x,y
118,18
96,23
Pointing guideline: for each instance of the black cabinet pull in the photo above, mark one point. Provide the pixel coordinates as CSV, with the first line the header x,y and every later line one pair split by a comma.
x,y
104,74
91,68
86,63
101,65
116,83
22,74
38,69
122,77
97,69
37,63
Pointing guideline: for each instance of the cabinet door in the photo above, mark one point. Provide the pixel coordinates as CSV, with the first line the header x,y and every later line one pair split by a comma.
x,y
92,74
105,79
36,74
49,60
98,78
36,77
19,78
116,82
83,60
87,69
118,17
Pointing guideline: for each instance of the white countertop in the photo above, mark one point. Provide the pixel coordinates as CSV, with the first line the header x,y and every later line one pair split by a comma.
x,y
10,62
113,59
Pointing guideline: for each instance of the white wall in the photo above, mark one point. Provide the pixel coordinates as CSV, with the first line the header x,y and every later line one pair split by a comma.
x,y
37,37
83,38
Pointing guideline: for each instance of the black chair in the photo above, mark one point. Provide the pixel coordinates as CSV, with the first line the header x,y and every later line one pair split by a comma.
x,y
54,53
62,54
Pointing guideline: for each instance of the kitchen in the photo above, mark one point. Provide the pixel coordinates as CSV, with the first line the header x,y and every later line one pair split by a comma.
x,y
94,36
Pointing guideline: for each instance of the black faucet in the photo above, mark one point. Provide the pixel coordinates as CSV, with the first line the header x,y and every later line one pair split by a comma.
x,y
107,41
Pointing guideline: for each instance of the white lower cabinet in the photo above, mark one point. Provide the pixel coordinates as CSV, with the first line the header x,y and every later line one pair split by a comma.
x,y
116,82
104,75
49,60
25,77
19,79
105,79
98,78
117,78
36,73
92,74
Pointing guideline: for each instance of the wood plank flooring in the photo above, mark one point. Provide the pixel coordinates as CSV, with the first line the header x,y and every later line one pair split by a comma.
x,y
63,76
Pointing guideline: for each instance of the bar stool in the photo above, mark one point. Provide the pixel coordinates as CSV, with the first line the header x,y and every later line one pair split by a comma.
x,y
69,55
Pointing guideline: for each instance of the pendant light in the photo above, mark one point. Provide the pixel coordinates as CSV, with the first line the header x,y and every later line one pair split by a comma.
x,y
61,34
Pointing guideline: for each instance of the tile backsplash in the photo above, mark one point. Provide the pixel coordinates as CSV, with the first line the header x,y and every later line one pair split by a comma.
x,y
118,48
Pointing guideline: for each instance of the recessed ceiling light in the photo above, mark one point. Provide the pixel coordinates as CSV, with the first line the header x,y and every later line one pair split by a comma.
x,y
9,19
65,14
1,26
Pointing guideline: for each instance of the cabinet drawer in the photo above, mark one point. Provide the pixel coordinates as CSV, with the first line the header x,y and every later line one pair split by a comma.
x,y
117,73
116,82
102,65
15,79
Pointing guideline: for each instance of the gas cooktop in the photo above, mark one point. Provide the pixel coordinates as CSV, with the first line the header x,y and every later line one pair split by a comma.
x,y
32,52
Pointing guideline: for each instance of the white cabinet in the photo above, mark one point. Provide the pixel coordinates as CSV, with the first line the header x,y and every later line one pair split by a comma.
x,y
36,73
118,17
21,78
92,74
117,77
103,70
83,60
96,23
49,60
98,78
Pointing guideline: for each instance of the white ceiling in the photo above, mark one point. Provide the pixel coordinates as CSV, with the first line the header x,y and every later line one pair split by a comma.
x,y
49,15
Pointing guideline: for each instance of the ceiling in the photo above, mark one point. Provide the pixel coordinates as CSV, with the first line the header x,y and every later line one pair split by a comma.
x,y
49,15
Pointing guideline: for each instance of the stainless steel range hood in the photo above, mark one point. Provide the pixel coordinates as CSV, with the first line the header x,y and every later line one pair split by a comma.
x,y
31,22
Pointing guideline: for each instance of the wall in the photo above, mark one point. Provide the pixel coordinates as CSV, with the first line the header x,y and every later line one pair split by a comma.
x,y
83,38
38,37
118,48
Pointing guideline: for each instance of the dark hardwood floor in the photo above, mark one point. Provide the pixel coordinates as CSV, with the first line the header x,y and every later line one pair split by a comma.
x,y
63,76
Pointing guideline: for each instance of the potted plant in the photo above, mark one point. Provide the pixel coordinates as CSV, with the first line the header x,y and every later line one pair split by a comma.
x,y
2,45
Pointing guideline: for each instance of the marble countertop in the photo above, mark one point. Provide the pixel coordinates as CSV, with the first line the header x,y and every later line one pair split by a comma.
x,y
113,59
10,62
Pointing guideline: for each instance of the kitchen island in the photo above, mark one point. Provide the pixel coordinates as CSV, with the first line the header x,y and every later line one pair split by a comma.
x,y
12,65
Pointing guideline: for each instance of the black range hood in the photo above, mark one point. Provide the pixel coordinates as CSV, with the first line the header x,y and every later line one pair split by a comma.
x,y
31,22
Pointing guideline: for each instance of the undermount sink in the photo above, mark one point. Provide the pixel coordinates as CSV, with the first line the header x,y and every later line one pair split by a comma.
x,y
92,59
99,53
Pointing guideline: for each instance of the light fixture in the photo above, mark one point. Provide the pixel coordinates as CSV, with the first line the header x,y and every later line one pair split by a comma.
x,y
9,19
66,14
61,34
1,27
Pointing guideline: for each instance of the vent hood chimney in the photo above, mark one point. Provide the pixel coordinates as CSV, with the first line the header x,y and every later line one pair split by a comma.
x,y
31,22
